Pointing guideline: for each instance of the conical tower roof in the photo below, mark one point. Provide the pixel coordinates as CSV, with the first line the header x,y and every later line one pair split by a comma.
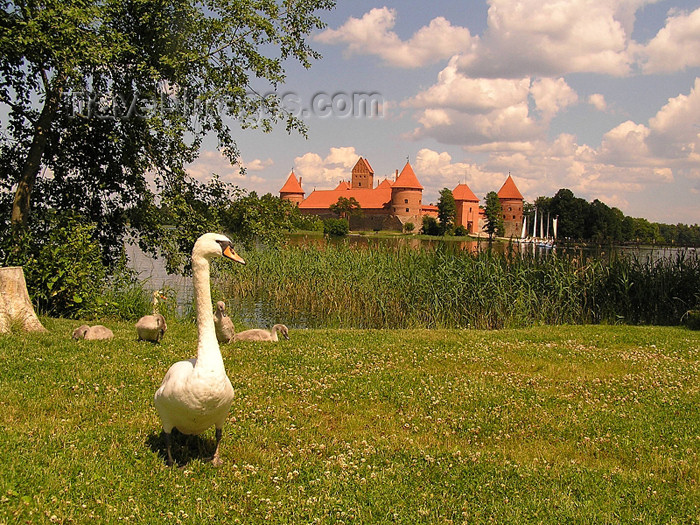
x,y
407,179
509,190
463,193
292,185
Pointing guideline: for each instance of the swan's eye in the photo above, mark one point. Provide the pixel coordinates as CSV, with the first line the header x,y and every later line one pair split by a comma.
x,y
224,245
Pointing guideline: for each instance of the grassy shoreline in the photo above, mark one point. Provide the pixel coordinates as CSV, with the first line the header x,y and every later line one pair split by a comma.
x,y
595,424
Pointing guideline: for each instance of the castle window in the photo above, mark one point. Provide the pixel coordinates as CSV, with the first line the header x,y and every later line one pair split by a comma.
x,y
405,201
359,184
514,216
406,209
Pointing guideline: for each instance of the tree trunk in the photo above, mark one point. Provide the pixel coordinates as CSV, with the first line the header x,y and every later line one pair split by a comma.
x,y
32,164
15,307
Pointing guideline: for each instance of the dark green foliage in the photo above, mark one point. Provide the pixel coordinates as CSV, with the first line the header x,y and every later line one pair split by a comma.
x,y
409,227
108,102
66,275
258,219
62,265
346,207
596,222
430,226
336,227
494,215
311,223
447,211
692,319
461,231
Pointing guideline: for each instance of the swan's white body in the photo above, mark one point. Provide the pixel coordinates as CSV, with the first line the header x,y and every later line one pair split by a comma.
x,y
223,324
258,334
92,333
197,394
152,327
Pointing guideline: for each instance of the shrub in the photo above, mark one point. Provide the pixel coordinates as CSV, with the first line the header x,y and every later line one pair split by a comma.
x,y
66,275
62,265
336,227
309,223
409,227
692,319
430,226
461,231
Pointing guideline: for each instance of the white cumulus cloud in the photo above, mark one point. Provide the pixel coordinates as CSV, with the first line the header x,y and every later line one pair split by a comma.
x,y
676,46
325,172
552,37
372,35
597,100
552,95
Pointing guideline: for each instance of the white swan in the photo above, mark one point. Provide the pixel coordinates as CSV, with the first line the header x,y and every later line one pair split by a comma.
x,y
197,393
258,334
152,327
92,333
223,324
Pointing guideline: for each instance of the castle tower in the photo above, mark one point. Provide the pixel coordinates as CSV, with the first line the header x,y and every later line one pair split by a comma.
x,y
512,205
467,208
291,191
406,195
362,175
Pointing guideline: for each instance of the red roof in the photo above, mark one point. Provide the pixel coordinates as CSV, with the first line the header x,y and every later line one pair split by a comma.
x,y
407,179
386,183
343,185
463,193
509,190
369,199
366,165
292,185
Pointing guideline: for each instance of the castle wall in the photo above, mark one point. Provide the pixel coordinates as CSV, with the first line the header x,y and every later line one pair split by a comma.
x,y
468,215
512,217
296,198
375,220
406,203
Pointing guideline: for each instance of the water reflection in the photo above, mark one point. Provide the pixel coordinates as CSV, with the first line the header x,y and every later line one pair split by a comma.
x,y
482,244
468,244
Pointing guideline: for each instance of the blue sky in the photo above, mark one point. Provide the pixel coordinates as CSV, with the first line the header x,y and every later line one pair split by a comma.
x,y
598,96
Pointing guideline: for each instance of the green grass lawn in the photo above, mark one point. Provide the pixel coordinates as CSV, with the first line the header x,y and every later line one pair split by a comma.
x,y
569,424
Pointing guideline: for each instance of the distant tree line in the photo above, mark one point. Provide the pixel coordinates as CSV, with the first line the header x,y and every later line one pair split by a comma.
x,y
580,220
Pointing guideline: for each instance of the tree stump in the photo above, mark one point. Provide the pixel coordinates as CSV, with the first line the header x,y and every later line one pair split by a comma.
x,y
15,307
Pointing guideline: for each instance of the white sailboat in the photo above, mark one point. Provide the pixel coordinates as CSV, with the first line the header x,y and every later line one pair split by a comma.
x,y
534,227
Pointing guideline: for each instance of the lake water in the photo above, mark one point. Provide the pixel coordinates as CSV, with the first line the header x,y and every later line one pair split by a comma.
x,y
151,272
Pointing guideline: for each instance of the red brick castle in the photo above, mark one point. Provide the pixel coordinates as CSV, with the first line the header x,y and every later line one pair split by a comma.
x,y
391,204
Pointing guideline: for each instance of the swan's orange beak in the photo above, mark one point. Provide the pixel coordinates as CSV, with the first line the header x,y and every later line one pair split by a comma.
x,y
228,252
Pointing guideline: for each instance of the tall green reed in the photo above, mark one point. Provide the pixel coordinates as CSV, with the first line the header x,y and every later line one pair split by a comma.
x,y
389,287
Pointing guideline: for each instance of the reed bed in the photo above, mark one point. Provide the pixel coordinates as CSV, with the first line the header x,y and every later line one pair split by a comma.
x,y
389,287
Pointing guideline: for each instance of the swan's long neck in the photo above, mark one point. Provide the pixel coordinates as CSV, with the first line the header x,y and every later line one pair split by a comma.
x,y
208,354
